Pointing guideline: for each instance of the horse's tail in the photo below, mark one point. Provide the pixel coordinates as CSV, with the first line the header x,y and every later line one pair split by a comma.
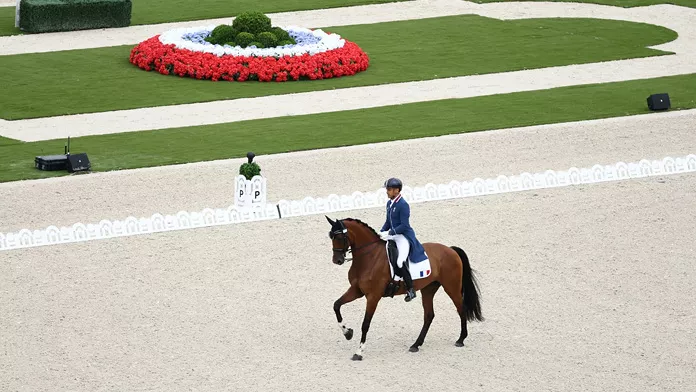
x,y
470,291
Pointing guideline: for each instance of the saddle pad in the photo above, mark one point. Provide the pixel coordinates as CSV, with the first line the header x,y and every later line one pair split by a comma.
x,y
418,270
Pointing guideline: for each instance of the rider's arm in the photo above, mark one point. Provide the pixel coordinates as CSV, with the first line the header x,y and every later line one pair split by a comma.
x,y
404,214
385,227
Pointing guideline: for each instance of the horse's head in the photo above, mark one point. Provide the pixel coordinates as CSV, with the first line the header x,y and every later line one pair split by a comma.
x,y
341,241
351,235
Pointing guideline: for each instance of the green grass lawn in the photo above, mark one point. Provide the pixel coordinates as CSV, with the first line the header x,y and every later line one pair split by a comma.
x,y
160,11
618,3
95,80
268,136
7,21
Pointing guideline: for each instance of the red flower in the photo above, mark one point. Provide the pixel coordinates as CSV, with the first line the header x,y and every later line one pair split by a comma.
x,y
152,54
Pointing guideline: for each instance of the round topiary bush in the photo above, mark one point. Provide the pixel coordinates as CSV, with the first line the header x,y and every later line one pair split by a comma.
x,y
221,34
249,170
256,28
268,39
253,22
281,35
243,39
257,44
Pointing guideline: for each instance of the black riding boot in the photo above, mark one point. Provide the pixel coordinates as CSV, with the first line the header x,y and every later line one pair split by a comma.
x,y
410,294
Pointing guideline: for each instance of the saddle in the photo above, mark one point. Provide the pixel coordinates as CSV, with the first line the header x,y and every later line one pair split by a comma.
x,y
420,270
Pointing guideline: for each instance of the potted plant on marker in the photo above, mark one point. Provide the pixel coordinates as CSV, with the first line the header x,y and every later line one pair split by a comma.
x,y
250,186
250,169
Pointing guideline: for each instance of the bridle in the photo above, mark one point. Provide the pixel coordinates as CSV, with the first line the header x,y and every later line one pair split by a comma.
x,y
342,235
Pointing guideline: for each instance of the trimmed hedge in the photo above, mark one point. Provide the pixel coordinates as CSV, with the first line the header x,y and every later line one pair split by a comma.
x,y
41,16
250,28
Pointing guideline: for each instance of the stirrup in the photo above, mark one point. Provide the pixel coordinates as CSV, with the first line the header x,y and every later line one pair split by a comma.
x,y
408,295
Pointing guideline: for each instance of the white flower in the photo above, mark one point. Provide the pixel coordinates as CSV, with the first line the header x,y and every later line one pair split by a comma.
x,y
326,42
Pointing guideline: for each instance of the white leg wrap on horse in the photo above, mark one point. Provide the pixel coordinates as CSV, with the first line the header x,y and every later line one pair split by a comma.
x,y
359,351
342,326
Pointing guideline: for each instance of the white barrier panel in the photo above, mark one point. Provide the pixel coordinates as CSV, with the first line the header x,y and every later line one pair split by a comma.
x,y
334,203
249,193
500,184
156,223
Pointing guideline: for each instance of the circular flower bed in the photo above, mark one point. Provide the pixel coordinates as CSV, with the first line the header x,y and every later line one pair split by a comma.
x,y
212,53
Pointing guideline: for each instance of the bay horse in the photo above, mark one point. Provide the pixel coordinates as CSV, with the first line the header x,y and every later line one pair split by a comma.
x,y
370,276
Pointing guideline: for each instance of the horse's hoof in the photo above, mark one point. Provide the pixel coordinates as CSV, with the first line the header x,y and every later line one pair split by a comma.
x,y
459,344
357,357
349,334
413,349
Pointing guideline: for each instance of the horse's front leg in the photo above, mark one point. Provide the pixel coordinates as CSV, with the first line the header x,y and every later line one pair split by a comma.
x,y
350,295
372,301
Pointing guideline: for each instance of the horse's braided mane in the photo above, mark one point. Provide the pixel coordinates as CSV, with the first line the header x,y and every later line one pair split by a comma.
x,y
364,224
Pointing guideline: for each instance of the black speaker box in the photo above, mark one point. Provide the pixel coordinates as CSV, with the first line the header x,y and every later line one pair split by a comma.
x,y
78,162
659,102
51,162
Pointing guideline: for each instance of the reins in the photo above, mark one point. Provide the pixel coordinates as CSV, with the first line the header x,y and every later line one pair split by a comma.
x,y
350,249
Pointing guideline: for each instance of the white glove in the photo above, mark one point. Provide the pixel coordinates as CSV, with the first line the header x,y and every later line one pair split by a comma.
x,y
384,235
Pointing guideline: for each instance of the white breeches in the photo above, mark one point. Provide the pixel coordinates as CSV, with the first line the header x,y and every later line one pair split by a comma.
x,y
403,246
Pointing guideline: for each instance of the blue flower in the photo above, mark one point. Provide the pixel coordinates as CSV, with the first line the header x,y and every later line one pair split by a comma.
x,y
198,37
303,38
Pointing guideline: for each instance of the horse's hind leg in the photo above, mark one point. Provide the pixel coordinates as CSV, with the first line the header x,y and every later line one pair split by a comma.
x,y
350,295
428,293
455,293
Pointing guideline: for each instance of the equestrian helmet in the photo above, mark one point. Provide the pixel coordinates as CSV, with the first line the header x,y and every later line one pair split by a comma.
x,y
393,183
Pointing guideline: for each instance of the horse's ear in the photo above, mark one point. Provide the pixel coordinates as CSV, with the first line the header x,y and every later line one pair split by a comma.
x,y
330,221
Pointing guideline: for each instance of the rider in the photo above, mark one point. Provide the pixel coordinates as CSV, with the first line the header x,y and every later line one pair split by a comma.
x,y
398,228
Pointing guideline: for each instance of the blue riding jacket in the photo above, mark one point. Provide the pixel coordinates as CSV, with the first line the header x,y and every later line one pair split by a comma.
x,y
398,214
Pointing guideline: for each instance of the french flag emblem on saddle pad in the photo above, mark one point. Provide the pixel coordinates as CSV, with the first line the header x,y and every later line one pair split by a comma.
x,y
418,270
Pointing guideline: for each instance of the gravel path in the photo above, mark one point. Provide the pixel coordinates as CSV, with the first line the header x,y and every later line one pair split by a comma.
x,y
677,18
584,289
